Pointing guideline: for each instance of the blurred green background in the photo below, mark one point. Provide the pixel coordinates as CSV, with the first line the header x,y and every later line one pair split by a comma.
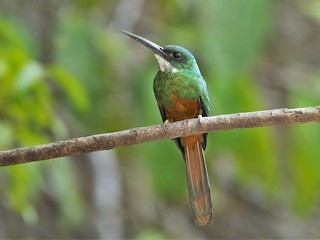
x,y
67,71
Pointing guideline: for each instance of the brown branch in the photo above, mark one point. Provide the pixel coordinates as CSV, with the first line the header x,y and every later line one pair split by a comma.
x,y
157,132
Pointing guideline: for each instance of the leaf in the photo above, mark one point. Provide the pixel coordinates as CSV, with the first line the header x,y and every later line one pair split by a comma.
x,y
31,73
72,87
236,33
7,136
151,234
22,187
65,189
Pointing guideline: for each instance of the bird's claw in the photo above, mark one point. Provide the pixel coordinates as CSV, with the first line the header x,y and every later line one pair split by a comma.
x,y
199,119
165,124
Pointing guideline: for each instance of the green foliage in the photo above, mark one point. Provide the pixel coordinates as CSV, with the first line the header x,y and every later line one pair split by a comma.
x,y
304,168
28,117
233,41
23,88
150,234
64,187
69,84
23,184
91,55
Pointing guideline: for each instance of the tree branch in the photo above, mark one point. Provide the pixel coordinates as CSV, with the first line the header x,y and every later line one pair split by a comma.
x,y
157,132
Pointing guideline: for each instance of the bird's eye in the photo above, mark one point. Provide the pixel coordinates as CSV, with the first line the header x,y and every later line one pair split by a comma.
x,y
177,55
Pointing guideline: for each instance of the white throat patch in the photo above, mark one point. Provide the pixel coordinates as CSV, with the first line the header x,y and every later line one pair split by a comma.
x,y
165,66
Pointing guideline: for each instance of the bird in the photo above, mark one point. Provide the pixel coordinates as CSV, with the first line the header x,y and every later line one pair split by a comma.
x,y
181,93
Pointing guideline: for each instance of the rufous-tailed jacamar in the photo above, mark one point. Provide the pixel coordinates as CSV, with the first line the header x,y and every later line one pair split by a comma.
x,y
181,93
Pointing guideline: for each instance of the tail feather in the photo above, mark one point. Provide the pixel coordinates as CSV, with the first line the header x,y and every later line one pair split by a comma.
x,y
198,181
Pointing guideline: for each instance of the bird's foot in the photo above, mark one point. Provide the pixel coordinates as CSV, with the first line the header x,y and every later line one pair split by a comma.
x,y
199,119
165,124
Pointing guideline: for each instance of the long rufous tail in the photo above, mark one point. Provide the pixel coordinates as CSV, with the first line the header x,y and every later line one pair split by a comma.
x,y
198,181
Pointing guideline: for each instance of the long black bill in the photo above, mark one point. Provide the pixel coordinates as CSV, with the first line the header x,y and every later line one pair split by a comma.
x,y
151,45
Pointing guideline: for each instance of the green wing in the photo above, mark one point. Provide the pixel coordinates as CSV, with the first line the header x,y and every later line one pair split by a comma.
x,y
204,99
205,107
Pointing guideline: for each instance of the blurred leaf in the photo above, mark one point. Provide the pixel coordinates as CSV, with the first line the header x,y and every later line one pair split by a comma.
x,y
28,76
63,186
22,186
311,7
3,68
72,87
150,234
236,34
75,37
305,165
6,134
14,33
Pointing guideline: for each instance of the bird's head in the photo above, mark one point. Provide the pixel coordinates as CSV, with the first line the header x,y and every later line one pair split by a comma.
x,y
171,58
